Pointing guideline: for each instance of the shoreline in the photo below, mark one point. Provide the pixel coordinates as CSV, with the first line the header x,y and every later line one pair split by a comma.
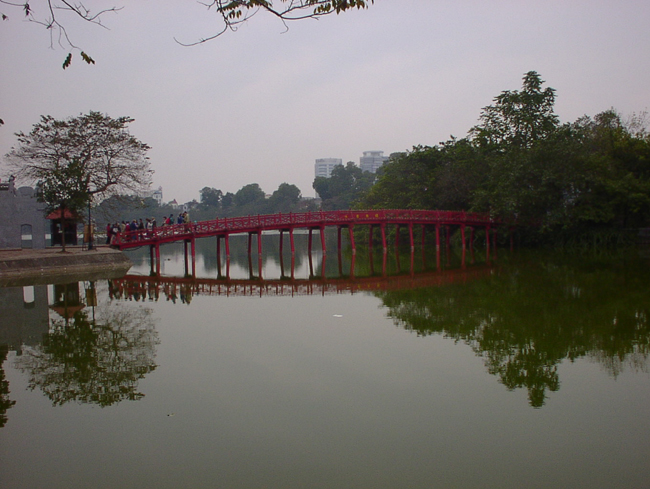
x,y
20,267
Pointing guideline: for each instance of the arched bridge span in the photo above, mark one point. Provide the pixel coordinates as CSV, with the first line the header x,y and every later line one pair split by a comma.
x,y
380,218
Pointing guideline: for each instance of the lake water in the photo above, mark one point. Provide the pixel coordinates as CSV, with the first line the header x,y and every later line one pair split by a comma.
x,y
527,371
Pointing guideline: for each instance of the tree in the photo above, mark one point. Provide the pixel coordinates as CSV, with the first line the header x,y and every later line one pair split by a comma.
x,y
346,185
248,194
210,197
47,14
284,199
439,177
518,118
233,14
76,160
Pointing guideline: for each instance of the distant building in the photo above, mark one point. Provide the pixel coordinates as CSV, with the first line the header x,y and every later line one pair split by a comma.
x,y
324,166
22,221
372,160
157,195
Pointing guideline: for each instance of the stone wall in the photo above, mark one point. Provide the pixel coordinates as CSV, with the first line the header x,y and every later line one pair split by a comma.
x,y
20,210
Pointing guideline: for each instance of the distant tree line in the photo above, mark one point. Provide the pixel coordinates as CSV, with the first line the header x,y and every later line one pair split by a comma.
x,y
213,203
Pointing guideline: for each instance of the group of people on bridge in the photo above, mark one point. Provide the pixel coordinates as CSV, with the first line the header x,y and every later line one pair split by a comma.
x,y
128,229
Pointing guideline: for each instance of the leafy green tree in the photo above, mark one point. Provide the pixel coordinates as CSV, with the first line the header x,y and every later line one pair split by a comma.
x,y
518,118
248,195
438,177
284,199
346,185
210,197
228,200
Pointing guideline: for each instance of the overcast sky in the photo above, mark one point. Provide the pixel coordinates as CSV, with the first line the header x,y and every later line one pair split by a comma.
x,y
260,105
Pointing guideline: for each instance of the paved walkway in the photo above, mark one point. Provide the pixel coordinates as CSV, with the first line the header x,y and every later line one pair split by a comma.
x,y
20,266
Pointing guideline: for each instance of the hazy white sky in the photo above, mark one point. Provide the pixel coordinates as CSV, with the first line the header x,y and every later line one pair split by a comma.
x,y
260,105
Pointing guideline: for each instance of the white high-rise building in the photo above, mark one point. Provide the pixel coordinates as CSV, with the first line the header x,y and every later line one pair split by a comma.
x,y
372,160
324,166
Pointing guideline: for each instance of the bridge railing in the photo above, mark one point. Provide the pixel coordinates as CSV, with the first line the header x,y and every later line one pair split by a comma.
x,y
303,219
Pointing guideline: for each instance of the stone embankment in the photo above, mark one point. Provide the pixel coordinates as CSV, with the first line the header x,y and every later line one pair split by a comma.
x,y
32,267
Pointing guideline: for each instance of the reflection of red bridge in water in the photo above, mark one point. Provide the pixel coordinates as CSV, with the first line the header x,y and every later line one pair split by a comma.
x,y
141,287
255,225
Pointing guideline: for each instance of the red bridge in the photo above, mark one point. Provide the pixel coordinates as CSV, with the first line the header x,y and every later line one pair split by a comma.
x,y
222,228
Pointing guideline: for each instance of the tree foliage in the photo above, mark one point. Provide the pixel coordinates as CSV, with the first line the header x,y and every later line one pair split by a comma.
x,y
519,162
210,197
346,185
48,13
235,13
518,118
80,159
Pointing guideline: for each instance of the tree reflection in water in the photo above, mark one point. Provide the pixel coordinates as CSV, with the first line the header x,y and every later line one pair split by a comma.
x,y
533,314
5,402
98,361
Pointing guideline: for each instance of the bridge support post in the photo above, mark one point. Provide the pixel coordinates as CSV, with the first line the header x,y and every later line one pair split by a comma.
x,y
309,242
157,259
438,246
259,245
397,237
411,237
193,246
382,226
187,273
322,240
281,243
462,237
250,240
226,241
293,247
338,238
351,231
370,238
